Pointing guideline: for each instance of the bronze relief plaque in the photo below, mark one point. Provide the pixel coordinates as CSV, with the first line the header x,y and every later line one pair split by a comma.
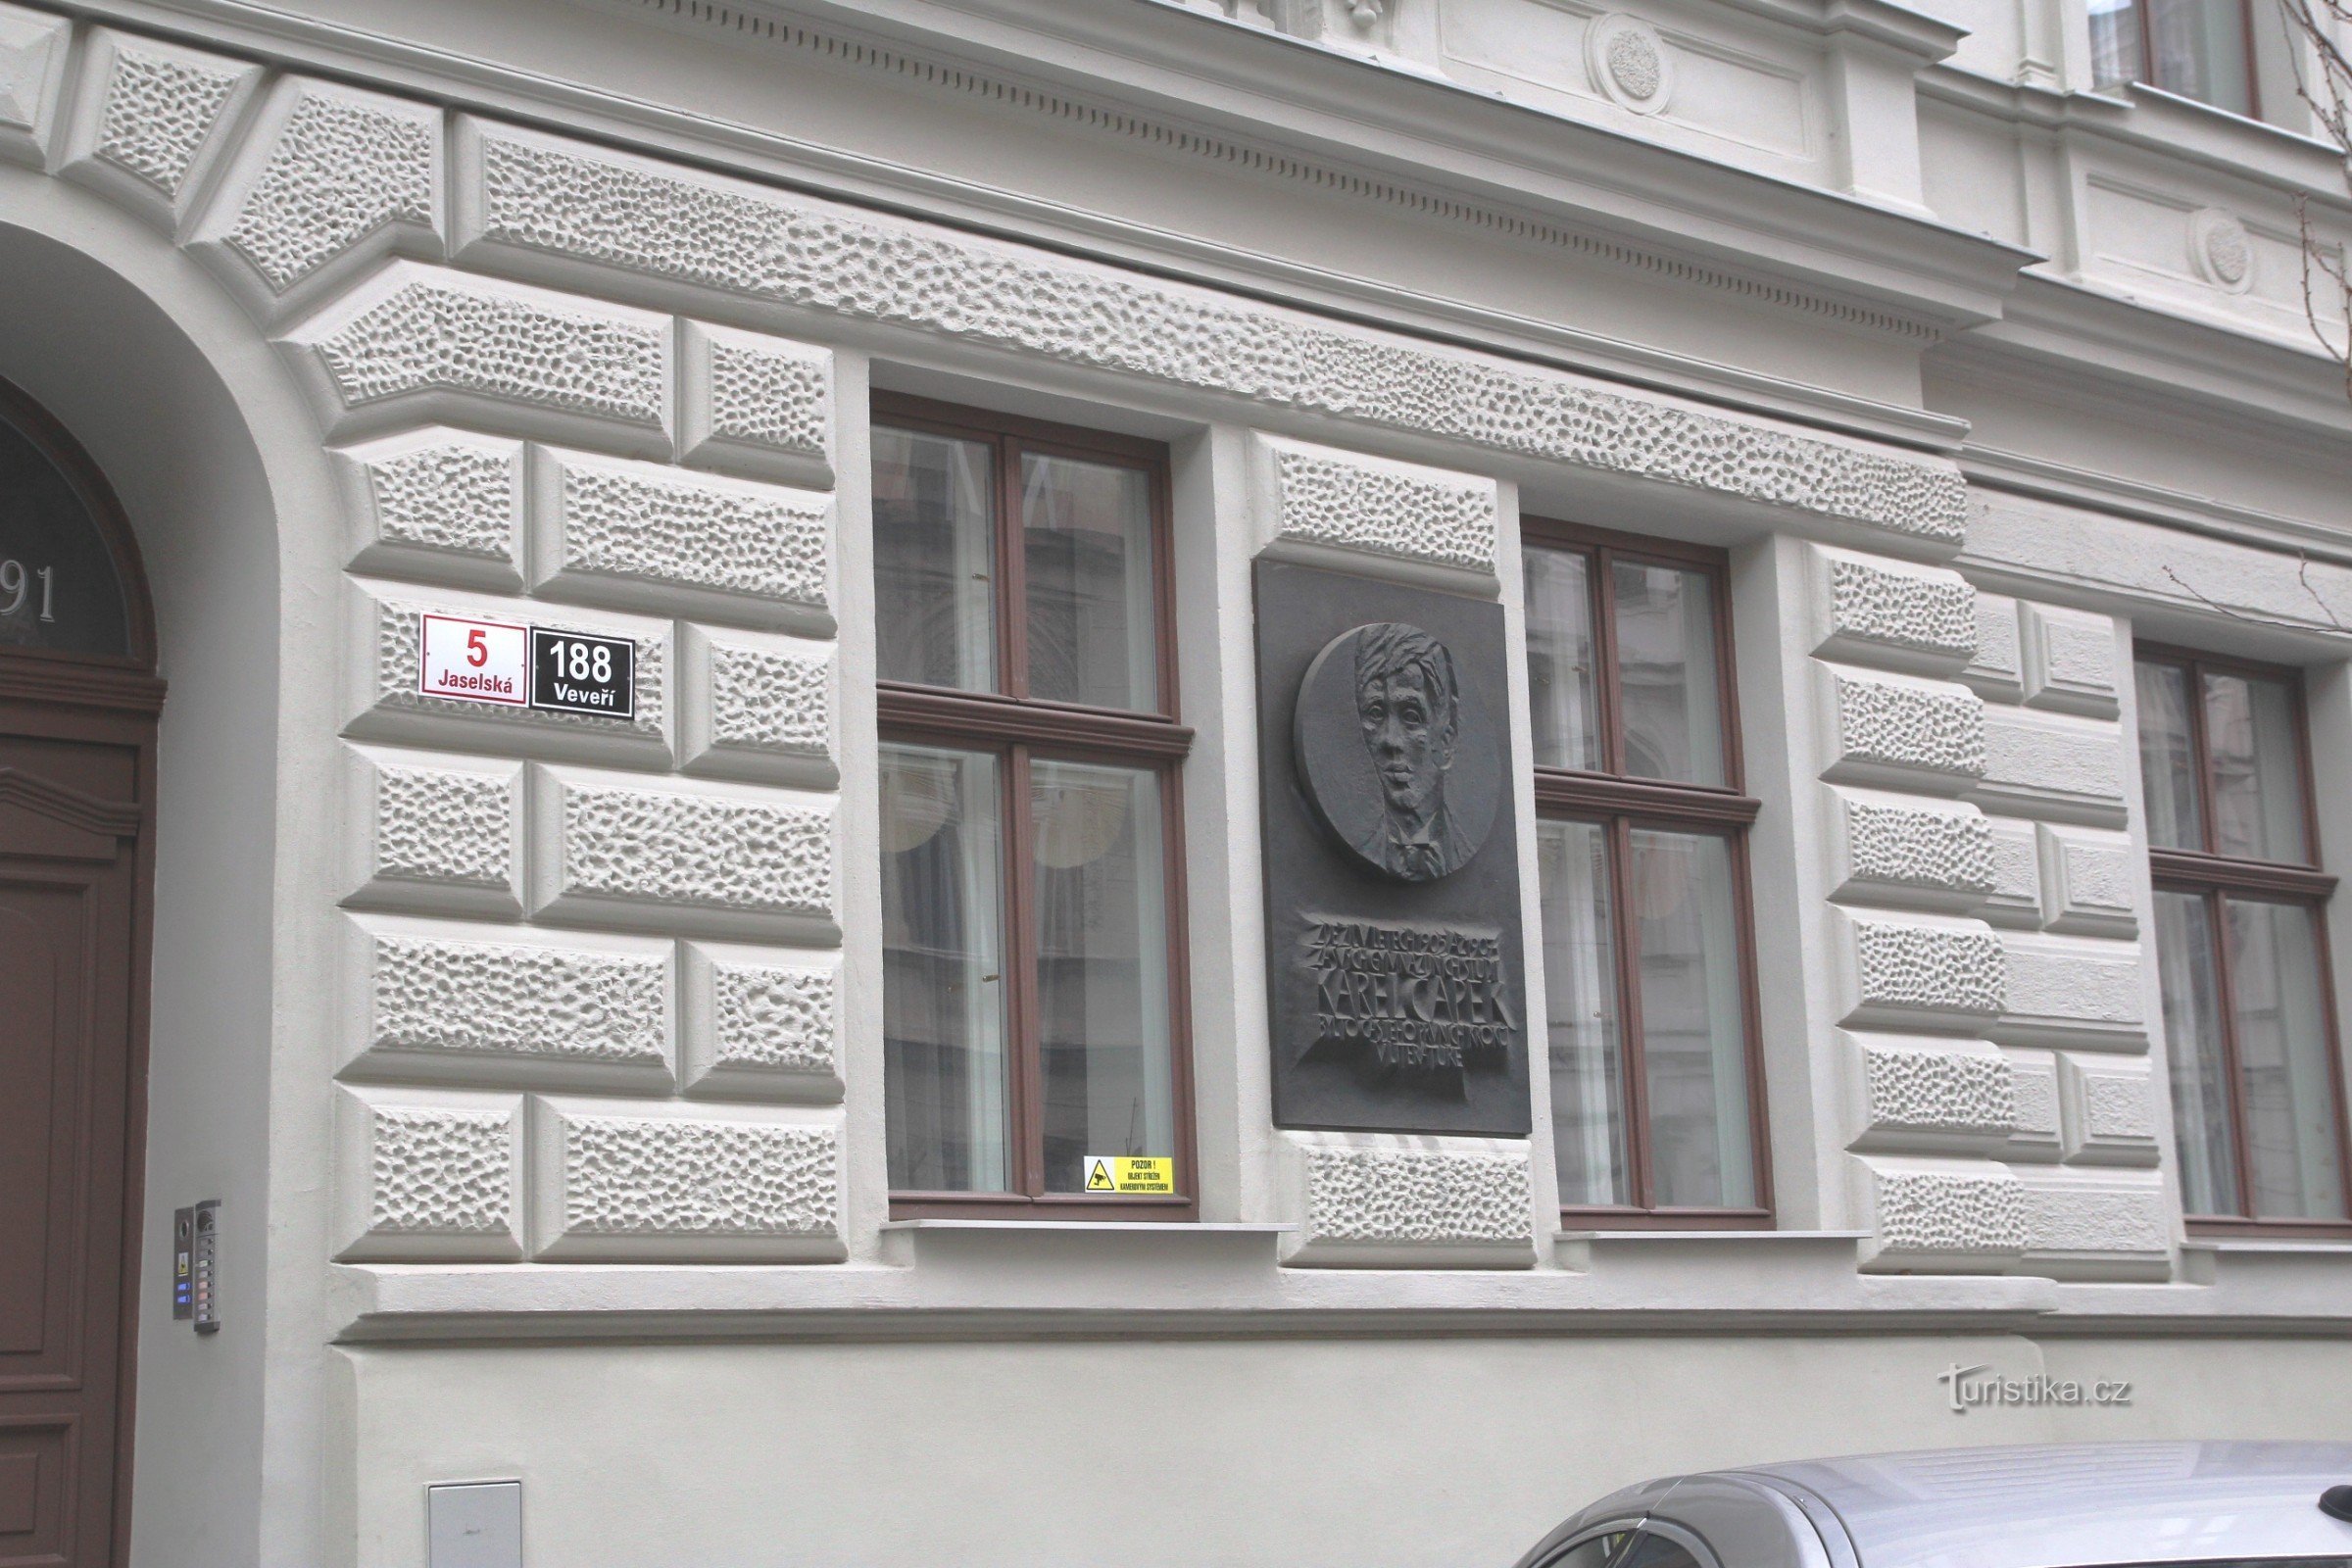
x,y
1392,859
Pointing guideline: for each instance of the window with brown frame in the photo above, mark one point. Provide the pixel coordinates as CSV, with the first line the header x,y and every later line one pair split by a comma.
x,y
2201,49
1657,1096
1032,902
2241,943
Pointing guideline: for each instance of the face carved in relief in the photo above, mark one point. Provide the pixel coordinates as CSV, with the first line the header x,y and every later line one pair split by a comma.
x,y
1408,709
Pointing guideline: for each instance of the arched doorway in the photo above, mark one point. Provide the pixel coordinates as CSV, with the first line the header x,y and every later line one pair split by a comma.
x,y
79,705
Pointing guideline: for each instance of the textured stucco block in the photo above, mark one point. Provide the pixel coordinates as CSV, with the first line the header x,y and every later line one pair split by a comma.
x,y
1890,613
436,832
381,622
2083,991
36,50
2038,1138
508,1004
758,403
761,1023
2109,1107
1327,499
2052,767
759,707
1948,1215
2071,659
611,1179
639,536
1920,972
1902,850
577,208
2105,1226
428,1176
1898,731
149,117
330,177
445,506
420,343
1998,672
713,859
1383,1202
2016,898
1929,1094
2088,880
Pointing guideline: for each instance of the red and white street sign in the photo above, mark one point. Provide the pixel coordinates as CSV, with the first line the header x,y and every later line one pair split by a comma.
x,y
474,660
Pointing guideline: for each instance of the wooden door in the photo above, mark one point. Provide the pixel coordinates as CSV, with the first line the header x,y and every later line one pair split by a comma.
x,y
70,909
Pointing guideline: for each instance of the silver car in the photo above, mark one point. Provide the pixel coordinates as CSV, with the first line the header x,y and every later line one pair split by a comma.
x,y
2216,1504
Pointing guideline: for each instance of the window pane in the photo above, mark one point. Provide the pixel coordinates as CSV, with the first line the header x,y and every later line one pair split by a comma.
x,y
933,560
1693,1027
2168,758
1086,531
1101,966
943,993
2257,770
2115,42
2199,50
2185,972
1666,672
1580,996
2283,1045
1560,659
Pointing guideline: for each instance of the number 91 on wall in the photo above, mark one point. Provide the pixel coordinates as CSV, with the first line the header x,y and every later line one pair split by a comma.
x,y
545,667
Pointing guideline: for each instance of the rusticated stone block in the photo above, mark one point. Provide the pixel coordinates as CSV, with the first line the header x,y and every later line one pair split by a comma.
x,y
529,193
1371,506
2040,1118
329,178
757,708
438,999
2016,898
1391,1203
616,1180
2090,879
149,117
1950,1215
2073,990
1901,850
761,1023
1900,615
444,505
2110,1111
444,345
758,404
637,536
1933,1094
2108,1226
428,1175
2051,768
717,859
1913,972
2070,660
1894,730
1998,671
35,49
439,832
385,705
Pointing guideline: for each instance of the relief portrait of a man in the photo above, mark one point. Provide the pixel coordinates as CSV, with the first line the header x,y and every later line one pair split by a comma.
x,y
1408,708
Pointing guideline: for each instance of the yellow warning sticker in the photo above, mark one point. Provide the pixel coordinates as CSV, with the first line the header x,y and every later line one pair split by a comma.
x,y
1148,1174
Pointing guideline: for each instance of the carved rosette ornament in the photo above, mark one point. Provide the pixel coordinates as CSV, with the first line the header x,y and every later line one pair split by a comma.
x,y
1629,63
2221,250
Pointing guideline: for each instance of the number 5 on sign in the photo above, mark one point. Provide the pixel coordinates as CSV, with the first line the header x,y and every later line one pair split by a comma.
x,y
473,661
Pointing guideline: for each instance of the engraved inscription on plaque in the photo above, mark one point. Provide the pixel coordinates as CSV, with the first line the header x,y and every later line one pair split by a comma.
x,y
1392,869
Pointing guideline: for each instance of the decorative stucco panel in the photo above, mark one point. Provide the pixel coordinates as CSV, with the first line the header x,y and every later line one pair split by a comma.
x,y
537,194
1917,616
1318,496
2110,1109
2089,877
2016,896
2113,1226
433,1177
149,117
1934,1090
1951,1215
441,503
757,708
1911,850
1928,734
2070,660
336,168
446,828
1906,969
1405,1206
2062,984
1997,671
2044,766
611,1184
757,403
757,1023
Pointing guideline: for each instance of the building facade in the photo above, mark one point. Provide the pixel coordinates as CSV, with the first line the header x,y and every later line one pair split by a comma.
x,y
1117,781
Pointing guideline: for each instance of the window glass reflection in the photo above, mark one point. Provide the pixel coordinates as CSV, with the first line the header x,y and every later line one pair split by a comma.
x,y
1693,1031
933,560
1581,1026
1086,532
1667,673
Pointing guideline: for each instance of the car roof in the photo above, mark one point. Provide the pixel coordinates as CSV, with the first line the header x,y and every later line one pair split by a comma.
x,y
2057,1506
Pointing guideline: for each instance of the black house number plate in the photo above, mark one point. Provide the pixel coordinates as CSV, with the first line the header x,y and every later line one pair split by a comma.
x,y
573,673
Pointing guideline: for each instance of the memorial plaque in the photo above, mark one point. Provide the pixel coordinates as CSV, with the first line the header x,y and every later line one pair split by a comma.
x,y
1392,859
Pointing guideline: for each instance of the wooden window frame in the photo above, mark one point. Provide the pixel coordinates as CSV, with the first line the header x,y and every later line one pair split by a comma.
x,y
1618,802
2213,878
2144,26
1018,729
